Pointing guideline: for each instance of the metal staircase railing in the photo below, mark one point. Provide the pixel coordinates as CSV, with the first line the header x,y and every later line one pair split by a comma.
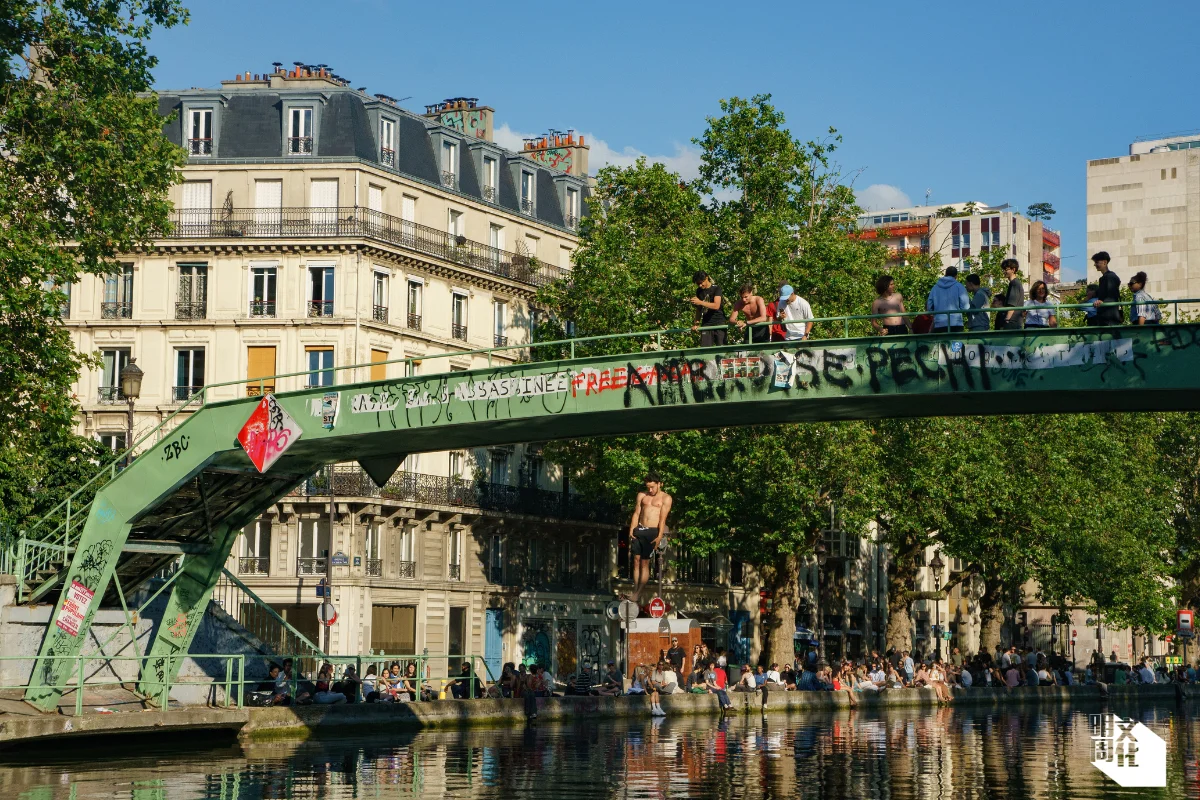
x,y
251,612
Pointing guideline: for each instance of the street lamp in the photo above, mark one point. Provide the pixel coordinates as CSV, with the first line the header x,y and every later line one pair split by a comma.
x,y
822,553
131,388
936,565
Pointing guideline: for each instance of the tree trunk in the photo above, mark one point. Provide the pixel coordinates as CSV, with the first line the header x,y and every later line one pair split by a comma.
x,y
991,615
902,577
783,580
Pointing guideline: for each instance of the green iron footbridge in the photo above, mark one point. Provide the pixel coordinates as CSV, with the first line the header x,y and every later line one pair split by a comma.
x,y
196,479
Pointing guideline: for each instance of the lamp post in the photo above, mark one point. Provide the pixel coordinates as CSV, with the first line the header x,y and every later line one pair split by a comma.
x,y
131,388
936,565
822,553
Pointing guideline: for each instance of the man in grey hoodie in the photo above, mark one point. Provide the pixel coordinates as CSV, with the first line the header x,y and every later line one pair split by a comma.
x,y
947,295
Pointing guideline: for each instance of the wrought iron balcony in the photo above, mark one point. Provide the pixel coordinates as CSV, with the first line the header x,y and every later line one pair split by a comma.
x,y
455,572
387,157
458,331
182,393
449,179
254,565
408,569
379,313
254,390
527,206
191,310
300,145
200,147
116,310
414,321
262,308
499,341
311,566
496,575
489,193
110,395
320,308
572,221
354,221
348,480
374,567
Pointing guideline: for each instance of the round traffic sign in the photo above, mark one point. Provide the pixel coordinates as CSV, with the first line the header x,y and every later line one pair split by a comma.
x,y
658,607
629,610
327,614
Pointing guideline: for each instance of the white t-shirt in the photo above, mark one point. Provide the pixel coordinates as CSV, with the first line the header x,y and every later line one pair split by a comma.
x,y
773,676
797,309
667,677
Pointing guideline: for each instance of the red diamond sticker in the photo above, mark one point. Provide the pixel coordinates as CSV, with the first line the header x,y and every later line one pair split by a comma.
x,y
268,433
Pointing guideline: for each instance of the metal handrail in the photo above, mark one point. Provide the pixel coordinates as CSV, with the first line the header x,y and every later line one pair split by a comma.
x,y
300,637
422,660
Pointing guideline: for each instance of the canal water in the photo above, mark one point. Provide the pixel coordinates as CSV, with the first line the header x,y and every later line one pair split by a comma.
x,y
897,754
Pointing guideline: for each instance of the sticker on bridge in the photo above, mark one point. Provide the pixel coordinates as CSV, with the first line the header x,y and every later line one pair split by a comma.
x,y
74,608
268,433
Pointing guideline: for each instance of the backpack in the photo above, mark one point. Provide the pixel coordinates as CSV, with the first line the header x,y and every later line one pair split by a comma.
x,y
922,323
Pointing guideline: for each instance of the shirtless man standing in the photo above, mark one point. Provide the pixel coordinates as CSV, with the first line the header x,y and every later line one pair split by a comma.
x,y
646,530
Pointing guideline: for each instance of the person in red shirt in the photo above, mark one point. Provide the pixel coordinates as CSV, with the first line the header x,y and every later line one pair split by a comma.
x,y
777,334
714,681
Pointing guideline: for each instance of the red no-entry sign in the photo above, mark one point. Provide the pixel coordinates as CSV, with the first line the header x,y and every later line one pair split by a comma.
x,y
658,607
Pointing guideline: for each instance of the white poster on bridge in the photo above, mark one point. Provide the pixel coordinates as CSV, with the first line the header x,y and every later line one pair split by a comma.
x,y
75,608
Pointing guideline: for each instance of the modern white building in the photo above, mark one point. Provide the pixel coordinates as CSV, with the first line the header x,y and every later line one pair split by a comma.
x,y
1144,210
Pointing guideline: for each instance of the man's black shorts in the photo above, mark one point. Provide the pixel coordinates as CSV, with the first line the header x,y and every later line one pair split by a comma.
x,y
643,542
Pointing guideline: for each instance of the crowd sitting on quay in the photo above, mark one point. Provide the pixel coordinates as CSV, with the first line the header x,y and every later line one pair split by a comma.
x,y
706,673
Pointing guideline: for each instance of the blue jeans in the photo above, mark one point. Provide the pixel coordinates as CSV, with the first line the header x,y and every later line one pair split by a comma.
x,y
722,696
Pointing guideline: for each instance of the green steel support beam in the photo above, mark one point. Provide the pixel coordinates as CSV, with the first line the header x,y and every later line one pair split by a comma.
x,y
377,422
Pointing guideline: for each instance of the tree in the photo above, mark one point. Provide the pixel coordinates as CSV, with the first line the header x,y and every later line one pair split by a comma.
x,y
945,211
1042,211
84,178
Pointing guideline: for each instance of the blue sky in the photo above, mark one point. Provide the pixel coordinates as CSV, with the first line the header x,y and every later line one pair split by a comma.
x,y
996,102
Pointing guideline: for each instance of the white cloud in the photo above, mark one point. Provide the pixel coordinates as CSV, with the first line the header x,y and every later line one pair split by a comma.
x,y
685,160
881,196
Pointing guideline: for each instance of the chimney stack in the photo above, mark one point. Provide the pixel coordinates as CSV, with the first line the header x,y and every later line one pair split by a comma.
x,y
565,152
465,115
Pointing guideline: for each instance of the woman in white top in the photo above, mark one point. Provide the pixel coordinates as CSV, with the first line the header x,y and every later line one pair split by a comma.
x,y
937,679
1145,310
1041,310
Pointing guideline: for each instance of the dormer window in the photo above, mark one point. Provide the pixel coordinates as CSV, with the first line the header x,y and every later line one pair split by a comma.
x,y
200,142
387,142
572,209
489,179
449,164
527,198
300,132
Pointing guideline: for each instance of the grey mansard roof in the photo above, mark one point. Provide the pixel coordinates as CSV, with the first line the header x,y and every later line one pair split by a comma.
x,y
249,125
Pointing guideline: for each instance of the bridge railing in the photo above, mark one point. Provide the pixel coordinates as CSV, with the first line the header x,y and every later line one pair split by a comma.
x,y
263,622
427,686
60,526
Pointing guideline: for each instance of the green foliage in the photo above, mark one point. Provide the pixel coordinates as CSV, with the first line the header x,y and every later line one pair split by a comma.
x,y
85,178
945,211
1040,211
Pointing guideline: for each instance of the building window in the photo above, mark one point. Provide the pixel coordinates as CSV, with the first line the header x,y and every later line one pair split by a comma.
x,y
112,442
457,461
496,242
64,309
379,297
498,465
966,238
496,559
373,550
532,470
320,295
262,291
572,215
449,165
455,554
527,198
200,142
189,373
375,199
458,316
454,224
387,142
300,132
195,211
320,366
408,552
191,301
415,290
112,361
118,294
489,179
499,323
255,553
314,547
268,208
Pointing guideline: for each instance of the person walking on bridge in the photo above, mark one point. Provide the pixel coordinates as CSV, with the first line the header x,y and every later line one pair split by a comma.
x,y
646,530
946,297
1108,290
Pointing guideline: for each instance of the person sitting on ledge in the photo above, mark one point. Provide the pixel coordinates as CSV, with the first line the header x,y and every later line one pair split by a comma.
x,y
714,683
613,683
746,681
581,684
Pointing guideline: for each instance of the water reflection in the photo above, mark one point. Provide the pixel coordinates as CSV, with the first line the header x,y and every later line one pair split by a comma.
x,y
929,753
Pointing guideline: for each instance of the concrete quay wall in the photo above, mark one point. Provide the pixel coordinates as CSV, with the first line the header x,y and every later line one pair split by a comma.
x,y
305,721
